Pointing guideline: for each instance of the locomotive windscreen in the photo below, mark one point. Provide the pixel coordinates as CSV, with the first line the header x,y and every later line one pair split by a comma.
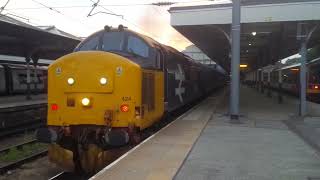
x,y
105,41
125,44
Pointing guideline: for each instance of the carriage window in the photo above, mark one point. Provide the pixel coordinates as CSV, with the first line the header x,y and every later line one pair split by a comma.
x,y
314,76
138,47
113,41
90,44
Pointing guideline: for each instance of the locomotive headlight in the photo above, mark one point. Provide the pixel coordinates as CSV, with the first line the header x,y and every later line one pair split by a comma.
x,y
70,81
103,81
85,101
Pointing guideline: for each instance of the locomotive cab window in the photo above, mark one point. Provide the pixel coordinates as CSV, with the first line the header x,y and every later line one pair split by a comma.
x,y
112,41
90,44
124,44
137,47
158,61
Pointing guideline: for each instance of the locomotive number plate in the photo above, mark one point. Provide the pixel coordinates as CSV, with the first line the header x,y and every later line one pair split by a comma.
x,y
126,98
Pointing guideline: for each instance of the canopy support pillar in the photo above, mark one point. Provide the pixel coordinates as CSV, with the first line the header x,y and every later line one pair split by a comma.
x,y
235,62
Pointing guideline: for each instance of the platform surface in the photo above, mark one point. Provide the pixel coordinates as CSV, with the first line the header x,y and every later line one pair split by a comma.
x,y
205,145
21,100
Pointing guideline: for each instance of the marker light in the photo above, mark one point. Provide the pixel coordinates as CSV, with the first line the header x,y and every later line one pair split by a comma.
x,y
70,81
54,107
124,108
85,101
103,81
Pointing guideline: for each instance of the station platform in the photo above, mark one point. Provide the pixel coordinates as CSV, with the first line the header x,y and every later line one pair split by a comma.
x,y
18,101
203,144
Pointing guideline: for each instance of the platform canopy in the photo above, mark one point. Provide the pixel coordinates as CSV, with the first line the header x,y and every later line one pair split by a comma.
x,y
275,23
21,39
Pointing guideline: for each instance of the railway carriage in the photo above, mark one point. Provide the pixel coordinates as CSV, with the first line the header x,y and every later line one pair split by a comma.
x,y
116,84
286,77
291,79
13,79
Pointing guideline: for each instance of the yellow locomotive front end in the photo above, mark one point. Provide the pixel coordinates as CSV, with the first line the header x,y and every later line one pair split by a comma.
x,y
96,104
93,88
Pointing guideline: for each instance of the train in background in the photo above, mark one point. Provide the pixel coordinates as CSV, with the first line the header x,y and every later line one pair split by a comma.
x,y
13,79
114,86
286,77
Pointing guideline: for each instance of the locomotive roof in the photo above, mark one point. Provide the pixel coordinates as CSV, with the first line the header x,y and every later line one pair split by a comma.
x,y
150,41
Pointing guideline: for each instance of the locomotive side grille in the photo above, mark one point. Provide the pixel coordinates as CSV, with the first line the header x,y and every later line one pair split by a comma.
x,y
148,90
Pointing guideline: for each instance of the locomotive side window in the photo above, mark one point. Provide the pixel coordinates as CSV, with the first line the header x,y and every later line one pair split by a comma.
x,y
90,44
137,46
112,41
159,58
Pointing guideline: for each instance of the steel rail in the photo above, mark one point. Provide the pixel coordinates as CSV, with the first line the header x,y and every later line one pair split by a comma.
x,y
18,146
18,163
21,128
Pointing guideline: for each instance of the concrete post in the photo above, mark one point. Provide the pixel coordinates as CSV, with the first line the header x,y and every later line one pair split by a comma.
x,y
304,35
262,81
36,80
258,81
303,79
28,97
235,62
280,99
269,94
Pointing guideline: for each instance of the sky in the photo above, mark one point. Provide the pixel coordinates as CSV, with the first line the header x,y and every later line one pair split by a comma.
x,y
72,16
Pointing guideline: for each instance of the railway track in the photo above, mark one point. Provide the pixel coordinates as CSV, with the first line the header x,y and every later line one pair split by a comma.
x,y
21,129
20,161
19,119
19,108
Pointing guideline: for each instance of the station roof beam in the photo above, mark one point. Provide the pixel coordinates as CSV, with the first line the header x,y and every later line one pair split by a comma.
x,y
273,21
21,39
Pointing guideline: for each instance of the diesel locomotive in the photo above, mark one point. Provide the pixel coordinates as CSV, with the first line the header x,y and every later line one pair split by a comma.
x,y
115,85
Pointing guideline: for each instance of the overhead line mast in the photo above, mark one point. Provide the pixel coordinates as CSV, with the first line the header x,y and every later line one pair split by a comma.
x,y
4,6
